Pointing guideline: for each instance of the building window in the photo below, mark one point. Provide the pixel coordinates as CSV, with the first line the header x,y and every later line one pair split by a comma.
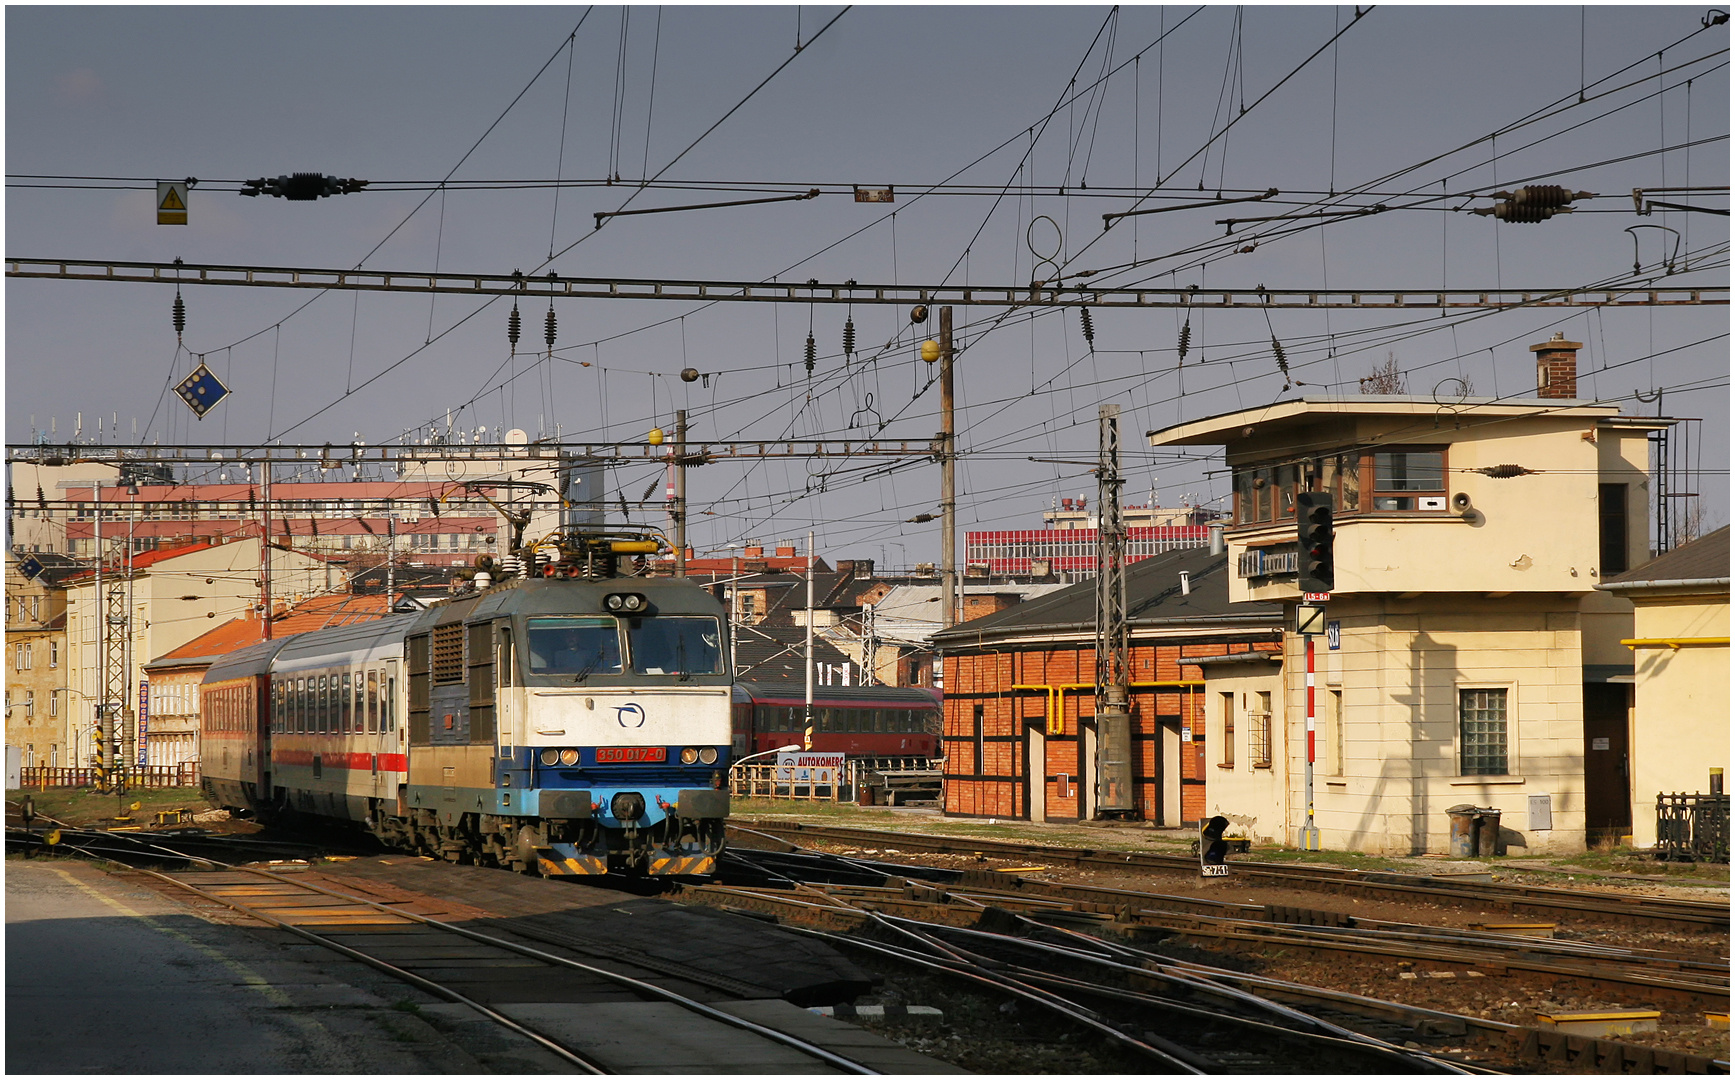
x,y
53,704
1227,740
54,654
29,704
36,608
1482,732
1611,514
1259,732
1334,733
1408,479
981,740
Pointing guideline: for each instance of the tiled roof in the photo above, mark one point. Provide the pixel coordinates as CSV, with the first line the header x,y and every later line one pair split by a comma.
x,y
337,609
1704,559
1154,598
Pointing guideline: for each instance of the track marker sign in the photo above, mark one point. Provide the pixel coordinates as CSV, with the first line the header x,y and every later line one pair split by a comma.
x,y
171,202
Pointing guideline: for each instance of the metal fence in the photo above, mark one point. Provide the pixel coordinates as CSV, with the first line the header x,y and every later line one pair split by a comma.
x,y
183,774
771,782
1692,827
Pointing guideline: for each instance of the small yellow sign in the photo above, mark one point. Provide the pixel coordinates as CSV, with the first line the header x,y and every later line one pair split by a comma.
x,y
171,203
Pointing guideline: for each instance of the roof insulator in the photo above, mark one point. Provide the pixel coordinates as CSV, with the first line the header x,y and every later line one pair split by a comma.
x,y
810,354
1186,339
849,336
512,326
548,330
180,315
1085,325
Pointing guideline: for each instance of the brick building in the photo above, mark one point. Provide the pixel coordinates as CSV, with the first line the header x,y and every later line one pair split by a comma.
x,y
1020,733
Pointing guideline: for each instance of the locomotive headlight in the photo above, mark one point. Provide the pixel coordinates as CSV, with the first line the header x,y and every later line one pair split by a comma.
x,y
689,755
569,757
708,755
550,757
625,601
614,601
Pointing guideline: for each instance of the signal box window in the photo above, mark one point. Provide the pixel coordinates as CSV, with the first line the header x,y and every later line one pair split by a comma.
x,y
578,645
1402,477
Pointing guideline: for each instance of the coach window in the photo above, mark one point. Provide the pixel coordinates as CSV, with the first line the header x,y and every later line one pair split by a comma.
x,y
322,706
373,702
345,706
388,709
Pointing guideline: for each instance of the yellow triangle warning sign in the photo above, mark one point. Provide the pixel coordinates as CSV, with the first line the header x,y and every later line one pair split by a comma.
x,y
171,203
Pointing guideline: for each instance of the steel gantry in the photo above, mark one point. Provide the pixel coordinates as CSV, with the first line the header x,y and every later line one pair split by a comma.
x,y
1039,294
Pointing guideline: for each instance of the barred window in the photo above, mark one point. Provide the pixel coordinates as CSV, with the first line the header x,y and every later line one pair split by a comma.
x,y
1482,732
1259,733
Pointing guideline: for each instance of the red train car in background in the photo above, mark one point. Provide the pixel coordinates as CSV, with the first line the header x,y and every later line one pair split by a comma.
x,y
885,727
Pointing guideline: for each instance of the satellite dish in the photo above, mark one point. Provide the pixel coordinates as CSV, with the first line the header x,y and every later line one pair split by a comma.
x,y
516,437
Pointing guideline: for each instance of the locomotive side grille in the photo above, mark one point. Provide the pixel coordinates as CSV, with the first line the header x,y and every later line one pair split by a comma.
x,y
448,650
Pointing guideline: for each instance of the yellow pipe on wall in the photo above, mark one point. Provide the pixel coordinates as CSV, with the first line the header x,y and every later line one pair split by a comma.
x,y
1054,710
1671,643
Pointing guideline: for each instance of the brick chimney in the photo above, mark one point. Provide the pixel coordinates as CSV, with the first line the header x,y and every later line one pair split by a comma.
x,y
753,552
786,552
1557,367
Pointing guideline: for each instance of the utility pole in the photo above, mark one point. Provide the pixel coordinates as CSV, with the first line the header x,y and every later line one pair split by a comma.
x,y
391,560
680,511
807,725
265,558
1113,722
104,721
948,480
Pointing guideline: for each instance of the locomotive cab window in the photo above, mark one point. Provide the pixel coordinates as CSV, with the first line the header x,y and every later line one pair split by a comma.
x,y
575,645
675,645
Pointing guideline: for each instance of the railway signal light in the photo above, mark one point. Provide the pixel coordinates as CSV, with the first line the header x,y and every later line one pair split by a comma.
x,y
1314,571
1213,849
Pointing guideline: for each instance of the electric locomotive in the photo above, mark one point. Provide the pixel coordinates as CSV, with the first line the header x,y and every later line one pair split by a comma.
x,y
559,720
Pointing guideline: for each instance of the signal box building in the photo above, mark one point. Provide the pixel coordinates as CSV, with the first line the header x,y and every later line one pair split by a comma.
x,y
1020,734
1472,659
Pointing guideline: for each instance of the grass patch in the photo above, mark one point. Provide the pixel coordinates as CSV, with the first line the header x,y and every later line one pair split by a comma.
x,y
79,806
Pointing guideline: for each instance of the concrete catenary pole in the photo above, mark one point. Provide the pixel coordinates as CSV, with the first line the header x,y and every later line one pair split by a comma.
x,y
680,513
807,721
948,480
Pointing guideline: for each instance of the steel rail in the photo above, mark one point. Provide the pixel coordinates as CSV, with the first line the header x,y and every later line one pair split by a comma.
x,y
1186,980
1660,909
1035,294
1245,998
627,981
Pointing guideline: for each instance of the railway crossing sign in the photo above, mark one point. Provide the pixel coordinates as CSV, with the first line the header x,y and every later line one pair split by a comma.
x,y
202,390
172,202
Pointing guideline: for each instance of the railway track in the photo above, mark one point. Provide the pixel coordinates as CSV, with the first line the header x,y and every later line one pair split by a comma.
x,y
858,896
426,952
1486,896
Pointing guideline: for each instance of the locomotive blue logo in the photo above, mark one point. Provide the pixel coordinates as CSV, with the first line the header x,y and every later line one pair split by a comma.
x,y
630,715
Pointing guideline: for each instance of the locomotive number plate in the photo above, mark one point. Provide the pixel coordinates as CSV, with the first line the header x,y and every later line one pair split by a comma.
x,y
1214,870
631,753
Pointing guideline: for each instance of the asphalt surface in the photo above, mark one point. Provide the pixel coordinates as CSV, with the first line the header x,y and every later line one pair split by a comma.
x,y
103,976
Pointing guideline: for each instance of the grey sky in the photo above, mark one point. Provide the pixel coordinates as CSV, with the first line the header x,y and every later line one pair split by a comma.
x,y
897,95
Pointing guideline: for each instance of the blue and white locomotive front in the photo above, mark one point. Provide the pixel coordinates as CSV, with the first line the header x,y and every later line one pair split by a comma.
x,y
612,716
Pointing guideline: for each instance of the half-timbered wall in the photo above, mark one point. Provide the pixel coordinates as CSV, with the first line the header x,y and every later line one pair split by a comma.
x,y
998,701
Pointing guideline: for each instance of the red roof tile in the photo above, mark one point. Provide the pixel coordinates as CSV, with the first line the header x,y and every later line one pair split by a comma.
x,y
317,613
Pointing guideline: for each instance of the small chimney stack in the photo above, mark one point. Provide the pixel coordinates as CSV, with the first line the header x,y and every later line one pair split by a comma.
x,y
1557,367
1186,583
1214,532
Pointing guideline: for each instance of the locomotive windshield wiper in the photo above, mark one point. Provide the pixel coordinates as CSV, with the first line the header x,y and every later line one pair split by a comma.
x,y
584,672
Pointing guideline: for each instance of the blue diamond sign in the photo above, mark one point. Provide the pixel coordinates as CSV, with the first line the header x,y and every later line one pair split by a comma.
x,y
202,390
30,566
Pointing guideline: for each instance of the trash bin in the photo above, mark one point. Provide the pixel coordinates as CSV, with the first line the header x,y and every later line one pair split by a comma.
x,y
1462,842
1488,840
